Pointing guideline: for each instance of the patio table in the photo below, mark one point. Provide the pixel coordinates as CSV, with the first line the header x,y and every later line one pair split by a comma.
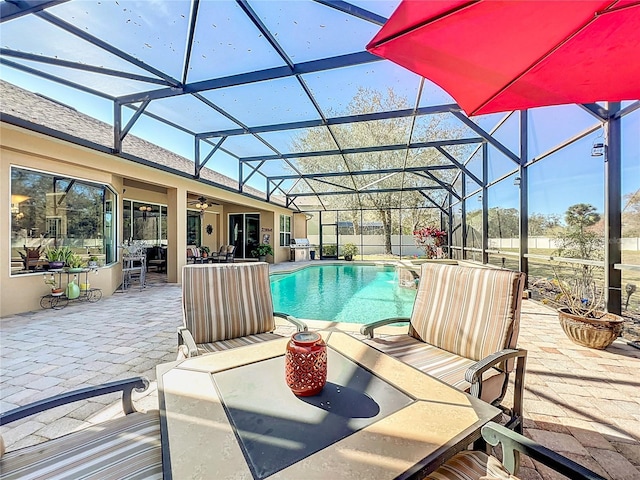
x,y
230,414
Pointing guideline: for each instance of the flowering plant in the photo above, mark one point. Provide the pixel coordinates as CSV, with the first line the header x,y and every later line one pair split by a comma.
x,y
430,238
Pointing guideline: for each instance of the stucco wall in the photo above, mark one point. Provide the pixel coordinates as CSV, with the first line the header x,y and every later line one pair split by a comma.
x,y
23,148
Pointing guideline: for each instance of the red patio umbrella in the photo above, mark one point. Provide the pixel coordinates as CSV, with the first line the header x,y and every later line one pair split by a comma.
x,y
494,56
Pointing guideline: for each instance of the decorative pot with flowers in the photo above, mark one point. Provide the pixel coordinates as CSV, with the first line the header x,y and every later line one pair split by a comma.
x,y
430,239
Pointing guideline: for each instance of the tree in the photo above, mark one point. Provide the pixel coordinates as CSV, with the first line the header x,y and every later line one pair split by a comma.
x,y
503,222
631,214
360,191
581,215
543,224
578,240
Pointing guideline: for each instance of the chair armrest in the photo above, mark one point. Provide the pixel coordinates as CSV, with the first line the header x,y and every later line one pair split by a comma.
x,y
473,375
474,372
125,386
300,325
185,338
512,442
368,328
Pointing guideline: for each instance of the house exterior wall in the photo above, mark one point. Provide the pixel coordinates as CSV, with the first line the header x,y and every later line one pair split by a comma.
x,y
24,148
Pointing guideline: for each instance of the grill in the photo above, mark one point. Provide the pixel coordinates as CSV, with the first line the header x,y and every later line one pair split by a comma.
x,y
300,248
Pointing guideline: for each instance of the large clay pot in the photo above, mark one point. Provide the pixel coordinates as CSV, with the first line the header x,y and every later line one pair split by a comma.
x,y
591,332
306,364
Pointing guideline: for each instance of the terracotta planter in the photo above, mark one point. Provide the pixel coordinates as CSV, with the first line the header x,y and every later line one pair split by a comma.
x,y
591,332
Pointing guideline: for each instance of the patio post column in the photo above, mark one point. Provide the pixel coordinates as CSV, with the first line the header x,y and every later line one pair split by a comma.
x,y
463,211
176,233
485,203
612,210
524,190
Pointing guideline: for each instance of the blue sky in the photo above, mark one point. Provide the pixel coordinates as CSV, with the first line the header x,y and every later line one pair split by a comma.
x,y
227,43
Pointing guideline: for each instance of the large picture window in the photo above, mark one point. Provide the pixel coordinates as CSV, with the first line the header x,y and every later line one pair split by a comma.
x,y
49,210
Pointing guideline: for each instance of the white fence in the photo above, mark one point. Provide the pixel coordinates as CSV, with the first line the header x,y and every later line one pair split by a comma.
x,y
374,244
629,244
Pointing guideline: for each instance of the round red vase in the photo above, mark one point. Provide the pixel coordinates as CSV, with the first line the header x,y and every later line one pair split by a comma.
x,y
306,364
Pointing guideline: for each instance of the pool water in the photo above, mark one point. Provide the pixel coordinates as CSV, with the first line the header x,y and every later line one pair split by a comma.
x,y
342,293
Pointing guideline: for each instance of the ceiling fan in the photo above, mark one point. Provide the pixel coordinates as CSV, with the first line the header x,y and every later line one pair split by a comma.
x,y
201,203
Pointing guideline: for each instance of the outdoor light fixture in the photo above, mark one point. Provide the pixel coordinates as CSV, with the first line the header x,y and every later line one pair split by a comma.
x,y
202,204
516,181
144,209
597,150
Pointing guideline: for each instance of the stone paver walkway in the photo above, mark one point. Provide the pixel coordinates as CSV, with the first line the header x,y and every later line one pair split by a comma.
x,y
583,403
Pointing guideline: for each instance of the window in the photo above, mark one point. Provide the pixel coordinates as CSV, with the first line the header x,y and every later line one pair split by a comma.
x,y
143,221
49,210
285,230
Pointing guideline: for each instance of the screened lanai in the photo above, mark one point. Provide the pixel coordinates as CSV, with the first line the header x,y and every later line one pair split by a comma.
x,y
280,101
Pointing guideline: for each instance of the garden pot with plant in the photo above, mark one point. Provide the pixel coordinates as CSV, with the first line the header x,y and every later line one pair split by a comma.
x,y
582,317
261,251
349,250
75,263
57,256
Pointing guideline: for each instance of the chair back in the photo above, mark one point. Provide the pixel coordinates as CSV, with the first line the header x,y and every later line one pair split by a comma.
x,y
472,312
227,300
193,251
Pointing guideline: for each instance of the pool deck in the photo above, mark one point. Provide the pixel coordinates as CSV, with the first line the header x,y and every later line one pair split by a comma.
x,y
583,403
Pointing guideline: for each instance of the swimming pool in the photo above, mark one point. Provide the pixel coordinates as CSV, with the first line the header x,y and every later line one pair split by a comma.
x,y
342,293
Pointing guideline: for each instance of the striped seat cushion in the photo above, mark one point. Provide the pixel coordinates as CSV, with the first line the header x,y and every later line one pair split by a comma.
x,y
446,366
224,301
127,447
228,344
471,312
471,465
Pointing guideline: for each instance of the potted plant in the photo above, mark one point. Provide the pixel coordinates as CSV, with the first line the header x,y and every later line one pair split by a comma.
x,y
582,317
55,290
75,263
57,256
261,251
205,251
93,261
349,250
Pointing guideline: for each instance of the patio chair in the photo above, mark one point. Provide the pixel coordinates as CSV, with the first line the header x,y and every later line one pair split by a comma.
x,y
125,447
193,254
228,255
215,256
463,330
226,306
471,464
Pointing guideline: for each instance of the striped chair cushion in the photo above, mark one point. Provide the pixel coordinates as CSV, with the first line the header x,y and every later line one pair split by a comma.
x,y
472,312
223,301
193,251
471,465
127,447
228,344
446,366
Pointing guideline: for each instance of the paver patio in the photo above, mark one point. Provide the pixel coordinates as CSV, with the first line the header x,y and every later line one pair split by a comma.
x,y
583,403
